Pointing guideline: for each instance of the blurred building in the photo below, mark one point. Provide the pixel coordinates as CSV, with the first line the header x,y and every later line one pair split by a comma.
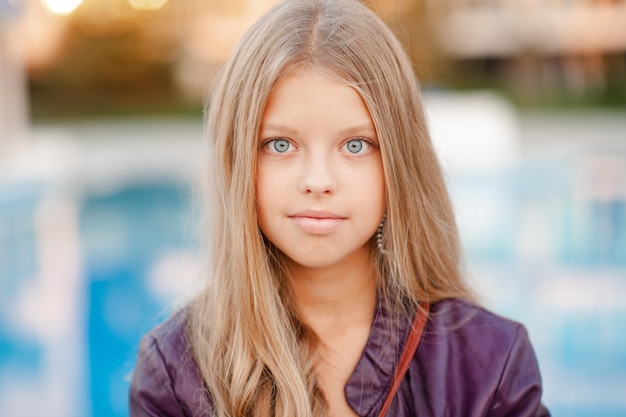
x,y
529,45
536,44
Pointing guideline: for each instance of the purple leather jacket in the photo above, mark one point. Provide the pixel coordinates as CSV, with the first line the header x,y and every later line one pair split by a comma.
x,y
469,363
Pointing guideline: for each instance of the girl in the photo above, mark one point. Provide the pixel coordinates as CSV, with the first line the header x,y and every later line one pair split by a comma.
x,y
335,286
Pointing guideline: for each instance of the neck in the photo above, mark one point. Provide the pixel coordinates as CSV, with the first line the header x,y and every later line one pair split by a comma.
x,y
337,297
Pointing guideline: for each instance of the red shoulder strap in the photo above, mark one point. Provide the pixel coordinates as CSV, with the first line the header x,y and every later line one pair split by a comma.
x,y
412,342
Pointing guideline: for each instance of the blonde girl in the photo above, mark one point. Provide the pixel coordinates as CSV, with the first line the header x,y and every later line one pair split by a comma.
x,y
333,246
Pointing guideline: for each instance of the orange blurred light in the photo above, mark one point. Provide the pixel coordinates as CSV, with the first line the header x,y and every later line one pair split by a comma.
x,y
147,4
61,7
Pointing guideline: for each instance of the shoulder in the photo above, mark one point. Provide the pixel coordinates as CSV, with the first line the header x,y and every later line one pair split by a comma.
x,y
479,361
467,331
473,325
461,333
166,381
169,340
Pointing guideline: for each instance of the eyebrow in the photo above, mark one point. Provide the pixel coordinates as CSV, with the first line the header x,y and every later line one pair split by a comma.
x,y
279,128
352,130
368,128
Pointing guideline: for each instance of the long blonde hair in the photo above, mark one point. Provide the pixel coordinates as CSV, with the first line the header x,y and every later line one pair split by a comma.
x,y
255,355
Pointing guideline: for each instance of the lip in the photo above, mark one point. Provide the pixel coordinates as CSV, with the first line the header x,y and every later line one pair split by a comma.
x,y
317,222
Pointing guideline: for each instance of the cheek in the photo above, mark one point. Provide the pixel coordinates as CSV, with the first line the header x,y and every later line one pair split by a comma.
x,y
268,192
381,188
378,201
372,187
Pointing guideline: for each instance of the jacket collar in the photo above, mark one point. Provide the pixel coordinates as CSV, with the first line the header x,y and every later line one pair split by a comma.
x,y
372,377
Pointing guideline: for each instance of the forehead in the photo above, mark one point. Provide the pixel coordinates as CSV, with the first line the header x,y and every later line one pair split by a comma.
x,y
306,96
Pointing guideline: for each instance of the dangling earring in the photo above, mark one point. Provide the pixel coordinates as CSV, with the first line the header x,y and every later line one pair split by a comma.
x,y
379,234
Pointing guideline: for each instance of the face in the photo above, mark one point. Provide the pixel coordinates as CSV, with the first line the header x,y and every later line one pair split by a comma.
x,y
320,186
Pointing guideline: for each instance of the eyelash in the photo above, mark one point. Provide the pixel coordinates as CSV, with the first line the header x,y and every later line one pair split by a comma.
x,y
368,142
265,144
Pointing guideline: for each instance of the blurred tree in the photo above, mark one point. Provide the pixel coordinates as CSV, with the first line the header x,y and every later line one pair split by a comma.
x,y
112,60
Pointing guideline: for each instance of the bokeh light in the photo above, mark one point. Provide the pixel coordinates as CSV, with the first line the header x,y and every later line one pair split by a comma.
x,y
62,7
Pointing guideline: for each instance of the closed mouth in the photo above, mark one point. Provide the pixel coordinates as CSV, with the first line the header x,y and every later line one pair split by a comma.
x,y
317,222
317,214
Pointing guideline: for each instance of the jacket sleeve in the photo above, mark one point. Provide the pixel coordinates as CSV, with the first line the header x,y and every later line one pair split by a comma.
x,y
519,390
151,388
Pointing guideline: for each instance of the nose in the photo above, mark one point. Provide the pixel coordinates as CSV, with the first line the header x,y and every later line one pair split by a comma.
x,y
318,177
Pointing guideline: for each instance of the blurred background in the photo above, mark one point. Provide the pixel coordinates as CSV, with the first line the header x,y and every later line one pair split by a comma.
x,y
101,156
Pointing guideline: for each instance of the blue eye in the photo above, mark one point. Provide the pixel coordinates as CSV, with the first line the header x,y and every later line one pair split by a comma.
x,y
279,145
357,146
